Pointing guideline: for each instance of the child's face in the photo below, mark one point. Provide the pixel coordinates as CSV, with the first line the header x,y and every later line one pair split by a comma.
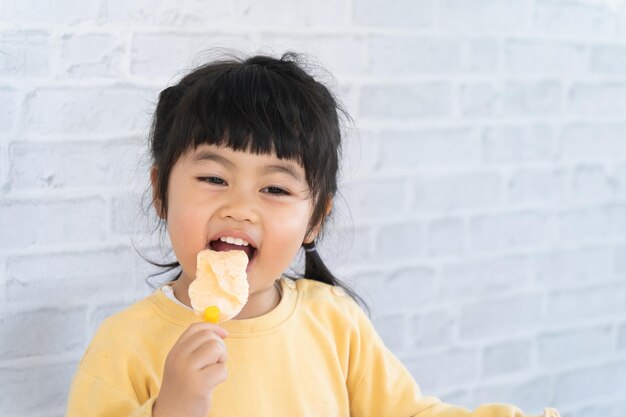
x,y
260,198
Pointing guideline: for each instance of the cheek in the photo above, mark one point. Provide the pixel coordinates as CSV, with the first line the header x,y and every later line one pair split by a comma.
x,y
290,228
186,228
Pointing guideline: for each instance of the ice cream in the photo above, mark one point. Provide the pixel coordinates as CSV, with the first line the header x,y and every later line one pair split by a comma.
x,y
221,282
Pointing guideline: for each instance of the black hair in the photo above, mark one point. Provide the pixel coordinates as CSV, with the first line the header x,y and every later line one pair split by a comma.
x,y
259,104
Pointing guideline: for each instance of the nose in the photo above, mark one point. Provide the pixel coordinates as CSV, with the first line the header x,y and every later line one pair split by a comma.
x,y
239,206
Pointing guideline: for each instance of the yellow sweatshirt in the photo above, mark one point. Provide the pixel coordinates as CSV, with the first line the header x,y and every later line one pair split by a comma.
x,y
315,354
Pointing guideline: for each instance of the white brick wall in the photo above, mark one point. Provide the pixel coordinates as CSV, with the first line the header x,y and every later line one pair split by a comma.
x,y
486,181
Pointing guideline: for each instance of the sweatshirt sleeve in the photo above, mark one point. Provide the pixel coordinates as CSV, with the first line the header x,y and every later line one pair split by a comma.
x,y
380,386
114,377
90,396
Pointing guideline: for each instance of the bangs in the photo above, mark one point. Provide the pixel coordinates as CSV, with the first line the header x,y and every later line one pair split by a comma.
x,y
248,108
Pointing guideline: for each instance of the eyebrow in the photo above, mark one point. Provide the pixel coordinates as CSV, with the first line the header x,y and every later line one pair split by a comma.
x,y
268,169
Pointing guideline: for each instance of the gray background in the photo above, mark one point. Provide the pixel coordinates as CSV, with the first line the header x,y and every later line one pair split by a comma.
x,y
485,179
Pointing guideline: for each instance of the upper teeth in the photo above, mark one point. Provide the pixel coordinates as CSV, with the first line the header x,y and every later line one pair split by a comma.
x,y
234,241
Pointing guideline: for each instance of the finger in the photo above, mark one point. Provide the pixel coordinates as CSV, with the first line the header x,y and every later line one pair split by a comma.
x,y
213,375
209,353
199,327
200,338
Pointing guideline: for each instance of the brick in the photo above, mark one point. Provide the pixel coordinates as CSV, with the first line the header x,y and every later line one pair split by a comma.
x,y
536,186
360,154
8,111
85,110
570,18
621,338
69,12
392,330
454,367
586,223
407,290
129,216
620,260
615,409
343,246
532,395
446,237
532,98
4,167
337,54
479,99
507,358
428,55
620,13
27,223
292,14
62,329
92,55
24,53
593,142
483,16
482,55
454,396
431,329
501,317
74,164
164,54
545,57
183,13
409,149
397,241
619,181
603,99
485,277
369,284
422,100
579,304
610,59
590,183
518,145
62,278
372,198
570,347
52,381
592,383
348,96
451,192
566,267
516,230
402,13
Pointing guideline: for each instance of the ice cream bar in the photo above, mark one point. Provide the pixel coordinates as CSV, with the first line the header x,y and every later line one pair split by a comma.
x,y
221,282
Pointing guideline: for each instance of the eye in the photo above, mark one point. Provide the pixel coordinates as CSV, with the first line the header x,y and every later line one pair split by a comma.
x,y
276,191
212,180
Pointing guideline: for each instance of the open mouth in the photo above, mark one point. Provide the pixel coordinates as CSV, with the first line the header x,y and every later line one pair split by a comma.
x,y
221,245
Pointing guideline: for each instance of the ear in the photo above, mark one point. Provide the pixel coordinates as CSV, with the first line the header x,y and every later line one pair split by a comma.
x,y
155,199
313,234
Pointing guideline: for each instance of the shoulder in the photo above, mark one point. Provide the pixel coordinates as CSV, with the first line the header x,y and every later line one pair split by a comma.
x,y
123,328
325,300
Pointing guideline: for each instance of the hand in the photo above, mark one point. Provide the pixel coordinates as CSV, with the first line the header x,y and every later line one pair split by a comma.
x,y
193,368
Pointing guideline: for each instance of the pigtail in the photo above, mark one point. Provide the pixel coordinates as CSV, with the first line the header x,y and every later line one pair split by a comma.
x,y
316,269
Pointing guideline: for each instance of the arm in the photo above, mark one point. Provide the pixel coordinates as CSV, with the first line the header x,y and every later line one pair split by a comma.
x,y
379,385
90,396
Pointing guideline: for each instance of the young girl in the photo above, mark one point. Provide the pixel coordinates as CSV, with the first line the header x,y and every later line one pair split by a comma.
x,y
249,149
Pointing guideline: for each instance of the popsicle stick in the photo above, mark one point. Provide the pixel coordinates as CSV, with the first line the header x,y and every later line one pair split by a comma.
x,y
211,314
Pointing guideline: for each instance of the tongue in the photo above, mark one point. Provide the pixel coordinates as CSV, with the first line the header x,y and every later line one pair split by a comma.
x,y
219,246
